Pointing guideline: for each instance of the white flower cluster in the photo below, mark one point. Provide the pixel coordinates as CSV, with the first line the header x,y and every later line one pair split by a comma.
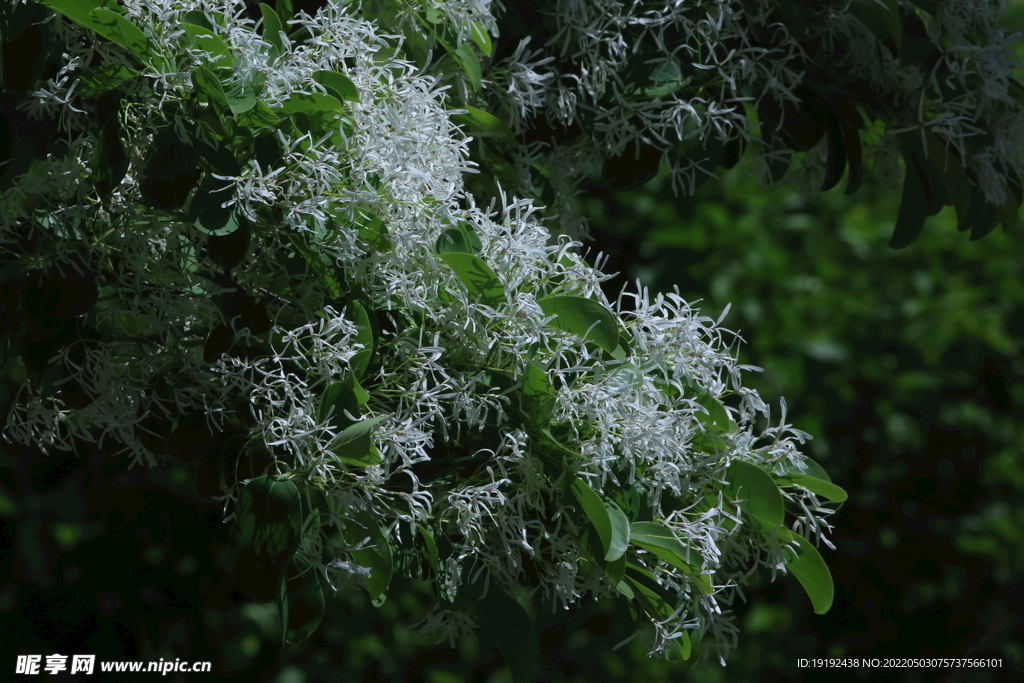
x,y
395,159
718,58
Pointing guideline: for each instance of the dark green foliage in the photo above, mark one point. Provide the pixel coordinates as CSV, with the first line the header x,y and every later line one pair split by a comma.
x,y
170,170
633,168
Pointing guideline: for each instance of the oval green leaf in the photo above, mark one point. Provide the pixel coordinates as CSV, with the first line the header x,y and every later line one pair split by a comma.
x,y
355,444
815,470
478,34
207,40
585,318
512,628
272,27
477,276
268,516
428,541
260,116
658,540
536,385
205,82
469,62
338,398
303,608
760,494
484,124
717,418
609,521
810,569
361,361
825,489
453,241
310,103
339,85
103,78
118,29
377,557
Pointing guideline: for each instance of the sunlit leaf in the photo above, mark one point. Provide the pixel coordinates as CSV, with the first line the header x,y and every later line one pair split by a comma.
x,y
355,444
478,277
210,42
583,317
481,123
759,494
658,539
609,521
478,34
338,84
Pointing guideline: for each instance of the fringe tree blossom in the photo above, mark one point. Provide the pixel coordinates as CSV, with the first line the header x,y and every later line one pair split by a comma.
x,y
327,310
624,76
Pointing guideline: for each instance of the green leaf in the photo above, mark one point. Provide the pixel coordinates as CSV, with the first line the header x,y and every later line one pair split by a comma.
x,y
260,116
478,34
472,238
810,570
666,79
595,510
272,27
510,625
206,83
761,495
815,470
824,489
428,540
118,29
210,42
339,397
338,84
355,444
620,534
585,318
243,95
210,217
469,62
913,211
461,238
453,241
317,264
477,276
717,418
608,519
645,589
79,11
361,361
268,515
196,17
616,570
1007,213
658,540
309,103
101,79
882,18
377,558
536,385
302,609
482,123
373,231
